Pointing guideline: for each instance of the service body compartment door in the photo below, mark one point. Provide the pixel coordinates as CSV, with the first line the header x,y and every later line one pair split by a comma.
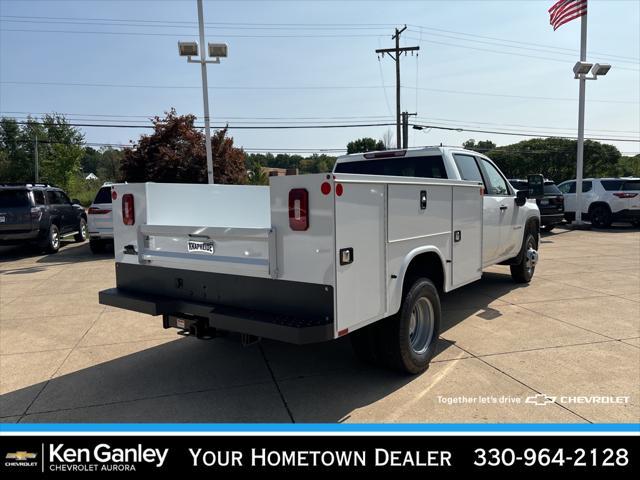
x,y
467,235
360,226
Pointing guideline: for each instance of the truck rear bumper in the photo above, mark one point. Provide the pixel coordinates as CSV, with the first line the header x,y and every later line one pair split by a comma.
x,y
287,311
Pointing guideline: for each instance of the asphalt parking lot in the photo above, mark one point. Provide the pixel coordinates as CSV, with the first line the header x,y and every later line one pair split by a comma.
x,y
565,348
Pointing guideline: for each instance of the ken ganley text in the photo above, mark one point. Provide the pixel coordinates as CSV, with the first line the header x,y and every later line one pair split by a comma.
x,y
103,457
262,457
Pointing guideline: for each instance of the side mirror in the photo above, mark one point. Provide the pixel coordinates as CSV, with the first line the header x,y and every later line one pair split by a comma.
x,y
536,186
75,201
521,197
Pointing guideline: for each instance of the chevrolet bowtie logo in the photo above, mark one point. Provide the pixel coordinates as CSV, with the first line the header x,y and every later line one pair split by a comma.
x,y
21,456
540,399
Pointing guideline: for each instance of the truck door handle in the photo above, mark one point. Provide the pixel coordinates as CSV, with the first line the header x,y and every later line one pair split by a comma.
x,y
503,207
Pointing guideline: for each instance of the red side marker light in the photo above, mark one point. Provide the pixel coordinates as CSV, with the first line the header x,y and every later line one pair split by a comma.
x,y
114,195
325,188
339,189
343,332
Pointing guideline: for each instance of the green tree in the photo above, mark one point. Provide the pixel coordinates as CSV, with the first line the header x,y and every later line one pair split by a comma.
x,y
60,147
555,158
257,175
481,146
108,164
627,167
89,160
15,163
366,144
175,152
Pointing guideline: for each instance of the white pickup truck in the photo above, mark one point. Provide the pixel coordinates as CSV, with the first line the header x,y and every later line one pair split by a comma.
x,y
365,250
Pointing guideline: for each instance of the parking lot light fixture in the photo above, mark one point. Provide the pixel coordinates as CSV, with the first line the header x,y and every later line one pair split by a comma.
x,y
216,51
582,68
600,69
188,49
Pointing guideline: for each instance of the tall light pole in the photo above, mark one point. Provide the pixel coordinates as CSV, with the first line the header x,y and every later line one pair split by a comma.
x,y
580,70
216,51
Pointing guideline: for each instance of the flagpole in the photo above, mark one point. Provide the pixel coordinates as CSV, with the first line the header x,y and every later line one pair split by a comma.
x,y
580,154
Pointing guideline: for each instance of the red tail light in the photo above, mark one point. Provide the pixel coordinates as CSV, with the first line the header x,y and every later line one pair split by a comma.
x,y
299,209
560,199
625,195
98,211
128,209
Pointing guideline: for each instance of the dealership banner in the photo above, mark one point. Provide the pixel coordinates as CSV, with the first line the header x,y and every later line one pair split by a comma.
x,y
57,455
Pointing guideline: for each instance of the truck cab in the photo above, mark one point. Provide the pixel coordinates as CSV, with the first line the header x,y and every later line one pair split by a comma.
x,y
502,218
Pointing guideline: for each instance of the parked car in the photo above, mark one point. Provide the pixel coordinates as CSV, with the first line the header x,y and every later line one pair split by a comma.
x,y
604,200
41,215
364,251
551,205
101,220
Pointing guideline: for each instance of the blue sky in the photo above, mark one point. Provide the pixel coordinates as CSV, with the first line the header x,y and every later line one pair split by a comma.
x,y
314,61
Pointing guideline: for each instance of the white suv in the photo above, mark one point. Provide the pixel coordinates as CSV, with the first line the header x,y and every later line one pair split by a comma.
x,y
101,220
604,200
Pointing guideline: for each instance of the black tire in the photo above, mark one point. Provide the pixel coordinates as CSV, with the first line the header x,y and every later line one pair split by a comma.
x,y
523,271
548,228
408,340
53,240
83,231
364,342
600,216
97,246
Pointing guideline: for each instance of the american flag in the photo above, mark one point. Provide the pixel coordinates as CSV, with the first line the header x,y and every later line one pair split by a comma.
x,y
566,10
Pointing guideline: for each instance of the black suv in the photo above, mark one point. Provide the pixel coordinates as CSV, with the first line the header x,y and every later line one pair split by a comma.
x,y
39,214
551,206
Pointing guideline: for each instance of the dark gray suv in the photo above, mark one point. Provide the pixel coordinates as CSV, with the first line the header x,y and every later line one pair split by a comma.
x,y
41,215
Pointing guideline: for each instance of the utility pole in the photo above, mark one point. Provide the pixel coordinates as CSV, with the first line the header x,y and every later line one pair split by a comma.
x,y
395,53
405,128
35,158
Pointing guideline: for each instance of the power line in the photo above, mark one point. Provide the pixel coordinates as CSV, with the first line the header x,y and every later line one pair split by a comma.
x,y
303,119
523,134
291,26
309,87
301,127
233,35
517,42
181,35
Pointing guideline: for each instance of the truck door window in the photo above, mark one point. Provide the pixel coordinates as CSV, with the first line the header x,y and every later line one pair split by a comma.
x,y
497,184
38,197
64,200
468,167
52,198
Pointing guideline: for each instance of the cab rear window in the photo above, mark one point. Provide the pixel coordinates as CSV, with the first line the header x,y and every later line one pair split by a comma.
x,y
431,166
103,196
14,198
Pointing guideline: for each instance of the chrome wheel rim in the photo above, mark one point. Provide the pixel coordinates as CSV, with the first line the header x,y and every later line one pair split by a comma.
x,y
84,231
531,257
55,239
421,325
